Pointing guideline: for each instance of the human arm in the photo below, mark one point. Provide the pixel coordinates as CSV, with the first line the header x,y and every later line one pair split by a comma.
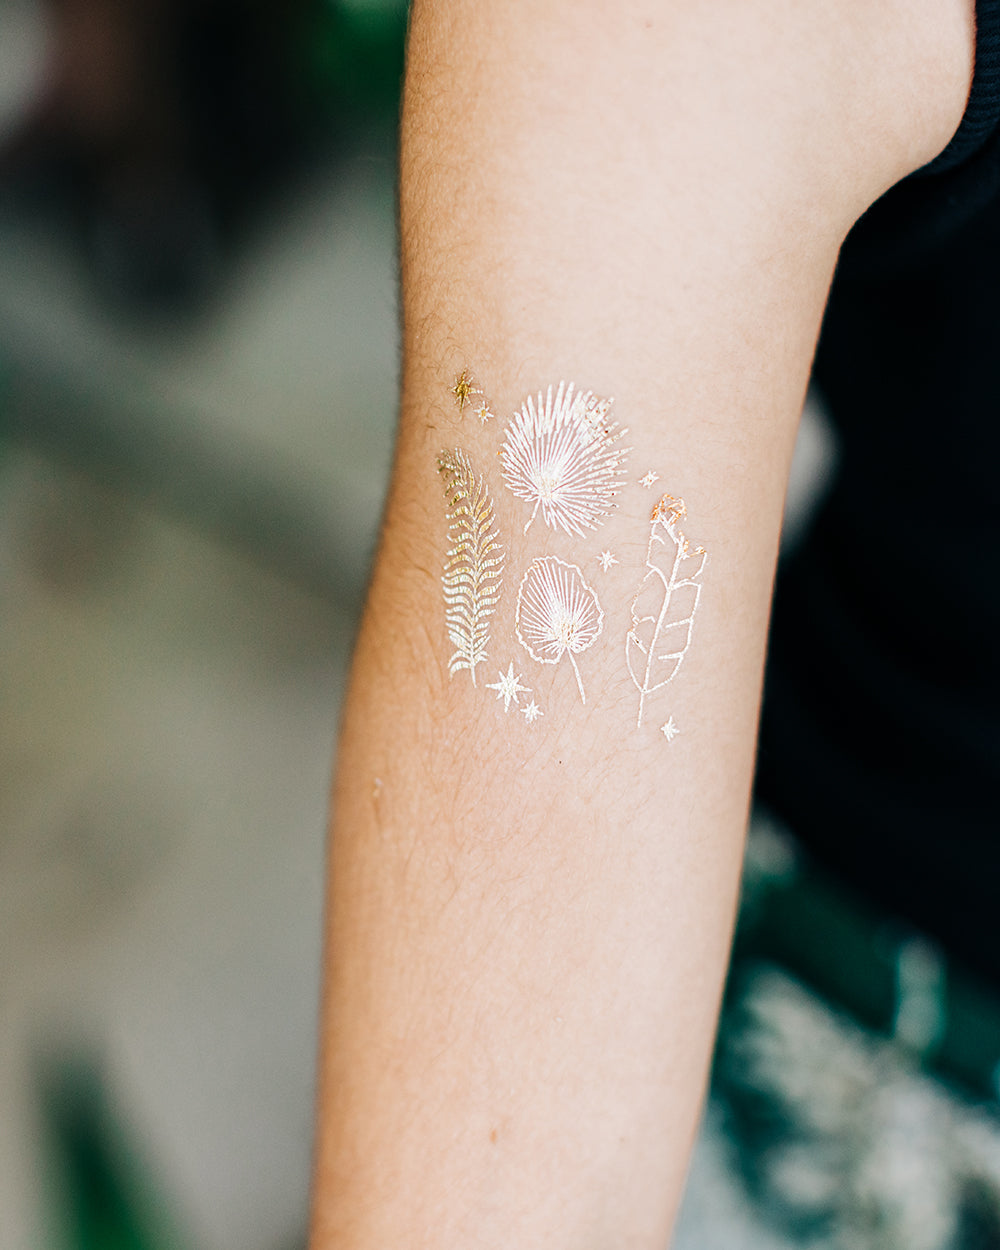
x,y
529,921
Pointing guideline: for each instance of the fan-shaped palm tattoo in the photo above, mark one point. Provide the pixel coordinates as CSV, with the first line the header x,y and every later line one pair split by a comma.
x,y
561,453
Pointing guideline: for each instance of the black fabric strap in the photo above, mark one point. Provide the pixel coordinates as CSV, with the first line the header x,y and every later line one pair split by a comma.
x,y
982,113
925,211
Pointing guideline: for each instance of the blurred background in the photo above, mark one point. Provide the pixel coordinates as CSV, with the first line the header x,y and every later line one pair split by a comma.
x,y
197,392
198,360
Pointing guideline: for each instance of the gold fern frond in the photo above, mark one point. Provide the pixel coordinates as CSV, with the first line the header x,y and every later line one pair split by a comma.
x,y
473,567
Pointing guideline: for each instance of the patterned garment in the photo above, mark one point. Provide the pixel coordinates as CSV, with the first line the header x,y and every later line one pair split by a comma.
x,y
840,1139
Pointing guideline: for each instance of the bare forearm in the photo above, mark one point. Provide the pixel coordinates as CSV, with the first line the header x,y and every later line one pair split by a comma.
x,y
530,914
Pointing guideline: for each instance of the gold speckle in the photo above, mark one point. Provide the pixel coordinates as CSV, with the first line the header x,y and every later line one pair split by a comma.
x,y
463,390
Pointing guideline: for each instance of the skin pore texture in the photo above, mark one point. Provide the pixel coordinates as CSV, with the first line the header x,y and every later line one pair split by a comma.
x,y
530,913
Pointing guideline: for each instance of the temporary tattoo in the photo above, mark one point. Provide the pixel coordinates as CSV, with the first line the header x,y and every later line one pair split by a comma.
x,y
664,606
557,613
509,687
562,455
606,559
669,730
483,412
473,567
649,479
464,389
531,712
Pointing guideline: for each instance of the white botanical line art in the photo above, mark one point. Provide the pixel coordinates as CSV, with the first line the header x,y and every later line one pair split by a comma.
x,y
649,479
473,567
561,454
606,559
557,613
531,712
669,730
508,687
464,389
658,640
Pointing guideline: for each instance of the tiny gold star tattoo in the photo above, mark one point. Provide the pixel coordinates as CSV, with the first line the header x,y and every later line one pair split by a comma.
x,y
483,412
464,389
606,559
508,687
669,730
649,479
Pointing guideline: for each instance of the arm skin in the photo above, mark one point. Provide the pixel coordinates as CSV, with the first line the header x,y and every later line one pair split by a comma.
x,y
529,923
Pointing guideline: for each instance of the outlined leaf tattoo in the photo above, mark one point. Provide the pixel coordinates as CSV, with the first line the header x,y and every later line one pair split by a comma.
x,y
557,613
473,567
561,453
664,606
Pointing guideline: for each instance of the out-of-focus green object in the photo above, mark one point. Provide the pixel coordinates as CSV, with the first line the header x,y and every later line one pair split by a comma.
x,y
353,53
103,1194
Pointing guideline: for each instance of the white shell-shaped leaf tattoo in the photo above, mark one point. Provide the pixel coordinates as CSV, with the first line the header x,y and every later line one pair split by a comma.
x,y
473,567
561,453
557,613
662,612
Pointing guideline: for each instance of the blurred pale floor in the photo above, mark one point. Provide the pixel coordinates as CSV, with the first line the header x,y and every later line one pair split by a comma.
x,y
170,707
169,714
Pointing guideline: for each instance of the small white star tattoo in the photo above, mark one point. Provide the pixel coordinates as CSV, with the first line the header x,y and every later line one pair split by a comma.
x,y
532,712
606,559
669,730
464,389
509,687
649,479
483,412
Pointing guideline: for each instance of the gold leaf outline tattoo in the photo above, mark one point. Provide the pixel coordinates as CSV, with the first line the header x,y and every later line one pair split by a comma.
x,y
557,613
473,567
684,569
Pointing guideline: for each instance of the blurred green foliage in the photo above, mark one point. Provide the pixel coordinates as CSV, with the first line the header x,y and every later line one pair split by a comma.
x,y
352,55
103,1195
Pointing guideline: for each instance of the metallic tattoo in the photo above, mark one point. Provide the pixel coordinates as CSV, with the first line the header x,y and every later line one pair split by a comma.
x,y
664,606
562,455
465,389
557,613
508,687
473,567
532,712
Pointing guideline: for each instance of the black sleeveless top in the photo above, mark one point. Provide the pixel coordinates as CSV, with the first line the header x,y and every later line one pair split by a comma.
x,y
880,736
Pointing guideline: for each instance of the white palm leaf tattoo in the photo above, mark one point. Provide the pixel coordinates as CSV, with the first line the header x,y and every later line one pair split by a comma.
x,y
473,567
561,453
663,609
557,613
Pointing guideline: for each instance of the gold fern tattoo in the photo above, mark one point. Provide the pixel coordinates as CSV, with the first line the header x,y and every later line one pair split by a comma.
x,y
473,567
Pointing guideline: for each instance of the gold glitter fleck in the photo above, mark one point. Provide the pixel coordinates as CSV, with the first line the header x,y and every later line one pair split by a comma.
x,y
464,389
